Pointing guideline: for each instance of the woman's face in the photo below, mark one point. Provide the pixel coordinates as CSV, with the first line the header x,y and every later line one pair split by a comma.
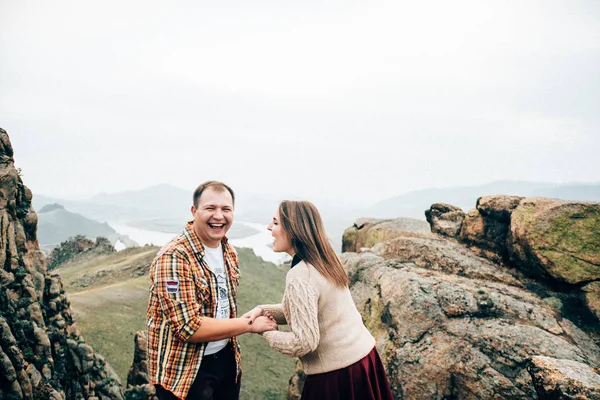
x,y
281,240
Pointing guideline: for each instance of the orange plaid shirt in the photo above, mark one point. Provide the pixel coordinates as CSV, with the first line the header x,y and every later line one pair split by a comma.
x,y
183,290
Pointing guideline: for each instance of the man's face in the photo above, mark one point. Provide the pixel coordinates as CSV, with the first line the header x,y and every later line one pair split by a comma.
x,y
213,216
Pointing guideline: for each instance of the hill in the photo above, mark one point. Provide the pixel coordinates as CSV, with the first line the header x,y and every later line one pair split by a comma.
x,y
109,295
56,224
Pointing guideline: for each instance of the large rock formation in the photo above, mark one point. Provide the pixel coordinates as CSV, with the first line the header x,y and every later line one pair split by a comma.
x,y
42,353
497,303
138,380
366,232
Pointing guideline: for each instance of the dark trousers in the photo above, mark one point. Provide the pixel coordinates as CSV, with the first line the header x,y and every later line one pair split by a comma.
x,y
215,379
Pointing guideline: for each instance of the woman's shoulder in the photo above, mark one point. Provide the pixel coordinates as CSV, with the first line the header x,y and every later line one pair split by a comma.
x,y
305,272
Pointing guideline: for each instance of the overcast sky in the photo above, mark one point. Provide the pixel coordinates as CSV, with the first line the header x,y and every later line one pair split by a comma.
x,y
356,100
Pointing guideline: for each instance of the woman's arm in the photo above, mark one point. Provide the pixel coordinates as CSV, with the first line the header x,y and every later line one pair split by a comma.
x,y
303,303
276,311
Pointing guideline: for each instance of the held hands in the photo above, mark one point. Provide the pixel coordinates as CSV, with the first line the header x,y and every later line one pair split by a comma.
x,y
253,314
263,324
260,320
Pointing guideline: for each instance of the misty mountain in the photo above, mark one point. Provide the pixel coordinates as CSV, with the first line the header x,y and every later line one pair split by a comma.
x,y
162,202
571,192
56,224
414,204
169,206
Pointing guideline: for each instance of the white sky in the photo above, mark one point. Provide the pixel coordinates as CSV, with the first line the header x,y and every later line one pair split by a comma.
x,y
356,100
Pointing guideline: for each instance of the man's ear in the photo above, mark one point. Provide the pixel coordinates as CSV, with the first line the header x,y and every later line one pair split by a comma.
x,y
193,210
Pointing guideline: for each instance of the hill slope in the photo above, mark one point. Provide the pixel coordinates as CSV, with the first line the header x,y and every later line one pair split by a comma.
x,y
56,224
109,294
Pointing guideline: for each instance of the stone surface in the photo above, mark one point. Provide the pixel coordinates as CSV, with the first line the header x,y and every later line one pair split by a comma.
x,y
455,318
35,316
445,219
564,379
557,240
592,297
498,208
368,232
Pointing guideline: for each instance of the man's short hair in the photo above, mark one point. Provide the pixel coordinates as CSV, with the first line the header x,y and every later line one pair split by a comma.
x,y
214,185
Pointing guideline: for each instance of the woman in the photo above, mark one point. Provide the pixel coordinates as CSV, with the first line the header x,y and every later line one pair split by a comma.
x,y
337,351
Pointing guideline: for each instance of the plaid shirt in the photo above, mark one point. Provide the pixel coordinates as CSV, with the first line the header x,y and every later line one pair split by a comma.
x,y
183,290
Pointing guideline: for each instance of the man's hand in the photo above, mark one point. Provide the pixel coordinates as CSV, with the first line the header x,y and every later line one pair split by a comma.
x,y
253,314
263,324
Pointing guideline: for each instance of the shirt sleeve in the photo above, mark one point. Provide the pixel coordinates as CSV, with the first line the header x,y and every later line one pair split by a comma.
x,y
177,295
303,317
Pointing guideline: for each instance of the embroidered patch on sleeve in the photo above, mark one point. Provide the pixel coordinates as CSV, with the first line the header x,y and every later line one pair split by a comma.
x,y
172,286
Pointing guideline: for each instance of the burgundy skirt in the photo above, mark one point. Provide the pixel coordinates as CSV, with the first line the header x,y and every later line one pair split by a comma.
x,y
363,380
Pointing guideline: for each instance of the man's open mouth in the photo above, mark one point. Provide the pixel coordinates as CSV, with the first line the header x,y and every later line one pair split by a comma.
x,y
216,226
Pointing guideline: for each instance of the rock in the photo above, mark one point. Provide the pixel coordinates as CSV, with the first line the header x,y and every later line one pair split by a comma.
x,y
498,208
368,232
445,219
435,253
563,379
138,373
485,234
455,336
34,362
592,297
296,385
557,240
450,323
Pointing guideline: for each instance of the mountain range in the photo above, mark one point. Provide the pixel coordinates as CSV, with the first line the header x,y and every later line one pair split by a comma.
x,y
168,206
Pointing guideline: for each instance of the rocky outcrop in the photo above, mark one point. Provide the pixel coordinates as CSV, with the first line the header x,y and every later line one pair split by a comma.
x,y
42,353
138,381
461,314
74,246
445,219
564,379
557,240
366,232
448,336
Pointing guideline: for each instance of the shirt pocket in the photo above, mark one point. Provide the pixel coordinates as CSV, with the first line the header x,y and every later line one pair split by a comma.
x,y
202,289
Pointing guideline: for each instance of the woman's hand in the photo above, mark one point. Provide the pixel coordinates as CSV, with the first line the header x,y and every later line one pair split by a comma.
x,y
253,314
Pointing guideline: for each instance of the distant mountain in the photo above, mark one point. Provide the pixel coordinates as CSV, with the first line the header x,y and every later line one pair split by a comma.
x,y
413,204
164,202
169,206
56,224
572,192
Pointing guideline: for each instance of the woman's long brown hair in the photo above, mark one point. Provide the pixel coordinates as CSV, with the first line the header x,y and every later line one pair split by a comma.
x,y
302,222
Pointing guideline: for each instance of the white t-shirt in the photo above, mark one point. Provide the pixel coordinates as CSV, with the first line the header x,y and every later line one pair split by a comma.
x,y
214,260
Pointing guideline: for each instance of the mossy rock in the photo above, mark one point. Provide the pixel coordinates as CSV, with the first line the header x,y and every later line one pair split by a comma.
x,y
349,239
368,232
557,239
592,297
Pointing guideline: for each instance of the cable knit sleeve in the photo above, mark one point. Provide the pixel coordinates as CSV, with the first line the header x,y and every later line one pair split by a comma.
x,y
276,310
302,302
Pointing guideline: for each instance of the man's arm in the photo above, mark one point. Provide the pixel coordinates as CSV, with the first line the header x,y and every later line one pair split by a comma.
x,y
212,329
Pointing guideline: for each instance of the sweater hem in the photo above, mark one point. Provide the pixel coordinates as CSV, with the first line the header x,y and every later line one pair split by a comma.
x,y
334,367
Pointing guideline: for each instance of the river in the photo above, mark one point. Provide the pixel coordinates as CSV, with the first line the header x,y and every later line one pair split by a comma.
x,y
260,243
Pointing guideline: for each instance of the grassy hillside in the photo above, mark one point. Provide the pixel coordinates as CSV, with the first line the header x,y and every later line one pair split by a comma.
x,y
109,300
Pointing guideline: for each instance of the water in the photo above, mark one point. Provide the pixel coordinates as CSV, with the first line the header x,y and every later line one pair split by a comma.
x,y
259,243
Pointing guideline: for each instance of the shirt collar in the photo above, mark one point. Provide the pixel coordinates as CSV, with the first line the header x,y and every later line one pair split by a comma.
x,y
194,240
295,260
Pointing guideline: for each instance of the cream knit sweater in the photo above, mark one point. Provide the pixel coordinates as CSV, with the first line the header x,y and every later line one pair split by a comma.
x,y
327,331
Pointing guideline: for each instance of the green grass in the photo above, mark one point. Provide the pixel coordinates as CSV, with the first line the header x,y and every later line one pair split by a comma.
x,y
114,308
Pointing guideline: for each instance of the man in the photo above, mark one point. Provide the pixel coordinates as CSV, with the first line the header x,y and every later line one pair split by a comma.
x,y
193,351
